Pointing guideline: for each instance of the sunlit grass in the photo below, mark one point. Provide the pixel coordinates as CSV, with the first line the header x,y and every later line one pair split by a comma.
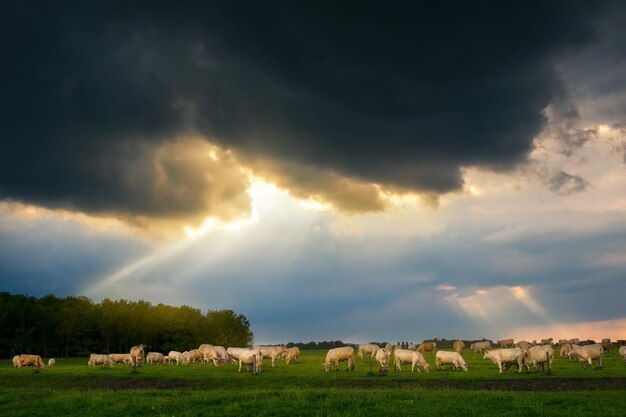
x,y
73,388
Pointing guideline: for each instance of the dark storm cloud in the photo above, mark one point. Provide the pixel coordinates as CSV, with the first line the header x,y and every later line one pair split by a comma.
x,y
396,95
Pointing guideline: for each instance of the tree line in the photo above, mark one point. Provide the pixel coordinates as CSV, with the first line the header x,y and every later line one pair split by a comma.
x,y
76,326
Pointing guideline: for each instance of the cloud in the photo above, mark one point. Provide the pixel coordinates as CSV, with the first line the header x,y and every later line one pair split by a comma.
x,y
402,98
148,185
565,184
322,185
446,287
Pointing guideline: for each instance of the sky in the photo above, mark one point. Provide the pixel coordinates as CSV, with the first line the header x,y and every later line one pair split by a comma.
x,y
357,172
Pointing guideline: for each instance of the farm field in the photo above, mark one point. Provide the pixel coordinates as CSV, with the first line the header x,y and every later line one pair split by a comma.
x,y
73,388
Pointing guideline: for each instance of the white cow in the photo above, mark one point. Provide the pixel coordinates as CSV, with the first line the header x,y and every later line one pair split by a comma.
x,y
539,355
222,355
442,358
16,361
622,352
506,357
156,357
272,352
251,357
51,362
234,353
565,350
209,354
586,354
369,349
176,356
337,355
123,358
382,357
416,359
95,359
193,356
137,354
292,355
480,346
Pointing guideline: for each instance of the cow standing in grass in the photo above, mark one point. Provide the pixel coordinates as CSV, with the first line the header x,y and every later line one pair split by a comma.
x,y
334,356
137,355
506,357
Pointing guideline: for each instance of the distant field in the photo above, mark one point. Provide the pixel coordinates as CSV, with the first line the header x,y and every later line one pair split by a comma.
x,y
73,388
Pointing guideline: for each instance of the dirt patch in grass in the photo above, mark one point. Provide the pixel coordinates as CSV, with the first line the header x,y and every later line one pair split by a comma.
x,y
544,384
539,385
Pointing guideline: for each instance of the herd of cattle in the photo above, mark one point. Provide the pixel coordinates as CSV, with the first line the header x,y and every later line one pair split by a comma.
x,y
522,354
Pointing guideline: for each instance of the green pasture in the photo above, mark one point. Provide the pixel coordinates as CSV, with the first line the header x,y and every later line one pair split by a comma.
x,y
72,388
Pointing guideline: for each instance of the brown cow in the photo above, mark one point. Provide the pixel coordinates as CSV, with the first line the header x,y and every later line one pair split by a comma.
x,y
427,347
30,360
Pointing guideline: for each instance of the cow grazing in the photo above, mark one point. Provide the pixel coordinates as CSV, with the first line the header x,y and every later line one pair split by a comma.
x,y
175,356
442,358
458,346
95,359
292,355
606,344
137,355
25,360
587,354
565,350
382,357
233,353
51,362
480,346
337,355
369,349
427,347
222,356
549,341
505,342
16,361
506,357
415,358
574,341
622,352
208,354
523,344
194,356
156,358
121,358
539,355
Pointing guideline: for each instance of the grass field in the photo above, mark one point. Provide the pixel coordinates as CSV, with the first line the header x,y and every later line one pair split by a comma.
x,y
73,388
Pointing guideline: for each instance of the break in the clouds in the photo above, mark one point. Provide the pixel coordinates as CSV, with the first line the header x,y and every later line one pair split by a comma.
x,y
403,96
565,184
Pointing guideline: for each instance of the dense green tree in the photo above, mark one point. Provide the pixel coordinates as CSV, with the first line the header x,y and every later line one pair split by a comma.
x,y
76,326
